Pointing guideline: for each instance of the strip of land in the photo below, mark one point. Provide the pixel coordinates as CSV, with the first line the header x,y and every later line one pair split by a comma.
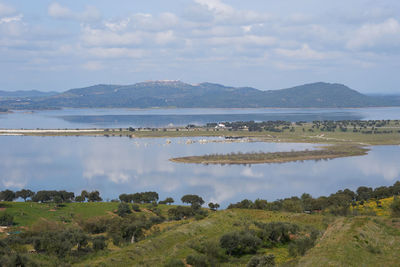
x,y
327,152
362,133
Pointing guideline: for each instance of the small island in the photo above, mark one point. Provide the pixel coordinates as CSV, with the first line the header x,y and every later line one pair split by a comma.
x,y
326,152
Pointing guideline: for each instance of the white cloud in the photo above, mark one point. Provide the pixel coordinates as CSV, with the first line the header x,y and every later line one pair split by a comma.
x,y
58,11
163,38
303,53
116,52
99,37
370,35
11,19
227,14
6,10
93,66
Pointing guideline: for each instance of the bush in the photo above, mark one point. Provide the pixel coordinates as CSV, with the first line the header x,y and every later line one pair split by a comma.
x,y
276,232
262,261
197,260
210,249
123,209
395,208
96,225
174,263
99,243
6,219
136,207
180,212
238,243
301,245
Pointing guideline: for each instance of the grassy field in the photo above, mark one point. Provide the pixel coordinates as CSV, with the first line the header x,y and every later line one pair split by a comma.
x,y
327,152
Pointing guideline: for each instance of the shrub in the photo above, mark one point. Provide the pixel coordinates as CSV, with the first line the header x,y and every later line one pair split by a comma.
x,y
238,243
301,245
136,207
197,260
180,212
395,207
262,261
96,225
174,263
99,243
123,209
6,219
276,232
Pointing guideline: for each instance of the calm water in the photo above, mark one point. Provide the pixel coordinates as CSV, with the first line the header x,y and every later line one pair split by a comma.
x,y
123,165
97,118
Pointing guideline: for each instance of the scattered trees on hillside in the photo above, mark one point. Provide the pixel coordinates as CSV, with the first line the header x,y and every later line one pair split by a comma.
x,y
337,204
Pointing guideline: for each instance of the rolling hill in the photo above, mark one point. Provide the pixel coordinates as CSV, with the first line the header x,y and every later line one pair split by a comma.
x,y
203,95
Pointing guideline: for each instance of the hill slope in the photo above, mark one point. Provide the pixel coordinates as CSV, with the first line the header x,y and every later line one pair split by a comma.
x,y
204,95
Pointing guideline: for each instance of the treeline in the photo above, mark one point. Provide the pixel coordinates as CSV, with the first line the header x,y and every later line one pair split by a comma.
x,y
45,196
324,126
338,203
144,197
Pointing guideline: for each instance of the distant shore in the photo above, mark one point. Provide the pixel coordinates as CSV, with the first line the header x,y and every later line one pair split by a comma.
x,y
360,133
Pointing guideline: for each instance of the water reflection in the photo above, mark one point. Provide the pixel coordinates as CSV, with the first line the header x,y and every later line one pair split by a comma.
x,y
122,165
89,118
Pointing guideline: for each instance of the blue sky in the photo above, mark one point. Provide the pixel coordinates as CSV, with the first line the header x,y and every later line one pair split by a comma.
x,y
267,44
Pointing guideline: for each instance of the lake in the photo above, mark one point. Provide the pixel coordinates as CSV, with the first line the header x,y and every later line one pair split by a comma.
x,y
116,118
122,165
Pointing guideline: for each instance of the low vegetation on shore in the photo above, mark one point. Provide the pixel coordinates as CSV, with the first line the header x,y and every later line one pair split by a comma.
x,y
355,132
343,229
328,152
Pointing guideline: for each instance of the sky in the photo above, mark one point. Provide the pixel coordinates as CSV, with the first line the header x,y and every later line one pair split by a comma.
x,y
266,44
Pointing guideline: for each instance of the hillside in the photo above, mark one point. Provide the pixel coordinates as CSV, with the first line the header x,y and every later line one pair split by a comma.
x,y
204,95
24,94
343,241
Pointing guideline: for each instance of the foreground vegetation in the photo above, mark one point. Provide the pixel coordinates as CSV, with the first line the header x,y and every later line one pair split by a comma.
x,y
344,229
329,152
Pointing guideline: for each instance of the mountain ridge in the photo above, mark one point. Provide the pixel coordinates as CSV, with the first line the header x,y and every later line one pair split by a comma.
x,y
178,94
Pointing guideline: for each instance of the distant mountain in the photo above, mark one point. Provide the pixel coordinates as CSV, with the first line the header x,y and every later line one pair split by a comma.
x,y
204,95
25,94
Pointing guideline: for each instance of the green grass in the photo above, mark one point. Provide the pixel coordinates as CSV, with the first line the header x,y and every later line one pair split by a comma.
x,y
174,239
28,213
358,241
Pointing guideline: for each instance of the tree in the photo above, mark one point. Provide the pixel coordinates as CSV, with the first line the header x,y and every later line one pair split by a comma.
x,y
7,195
168,200
125,198
213,206
94,196
194,200
84,195
24,194
79,199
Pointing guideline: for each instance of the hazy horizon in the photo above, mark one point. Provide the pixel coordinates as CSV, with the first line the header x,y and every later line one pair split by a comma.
x,y
60,45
